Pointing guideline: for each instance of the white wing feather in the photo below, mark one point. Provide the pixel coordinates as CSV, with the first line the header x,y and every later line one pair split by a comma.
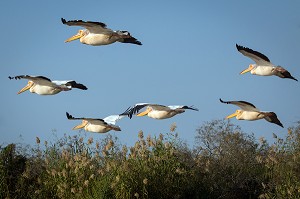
x,y
173,107
112,119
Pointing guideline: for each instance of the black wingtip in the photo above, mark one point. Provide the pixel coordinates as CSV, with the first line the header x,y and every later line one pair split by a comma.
x,y
238,47
191,108
229,102
279,124
130,112
80,86
83,87
63,20
74,84
138,43
294,78
133,41
126,112
17,77
69,116
195,109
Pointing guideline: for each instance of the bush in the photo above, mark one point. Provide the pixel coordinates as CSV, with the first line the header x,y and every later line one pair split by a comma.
x,y
12,165
224,163
282,166
227,157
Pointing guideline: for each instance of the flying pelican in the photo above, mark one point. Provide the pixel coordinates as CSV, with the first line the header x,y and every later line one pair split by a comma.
x,y
44,86
99,125
157,111
263,65
250,112
96,34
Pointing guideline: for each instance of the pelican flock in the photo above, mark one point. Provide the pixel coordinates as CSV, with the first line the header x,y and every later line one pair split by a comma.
x,y
44,86
250,112
157,111
97,34
263,65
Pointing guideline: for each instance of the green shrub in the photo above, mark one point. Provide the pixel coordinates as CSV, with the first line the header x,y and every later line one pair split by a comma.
x,y
282,166
12,165
227,158
224,163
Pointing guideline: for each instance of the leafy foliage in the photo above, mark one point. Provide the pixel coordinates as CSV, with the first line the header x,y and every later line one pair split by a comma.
x,y
224,163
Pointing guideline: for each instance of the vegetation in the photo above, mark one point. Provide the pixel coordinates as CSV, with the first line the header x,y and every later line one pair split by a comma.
x,y
224,163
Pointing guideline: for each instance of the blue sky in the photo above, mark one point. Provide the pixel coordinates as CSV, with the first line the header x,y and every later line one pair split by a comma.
x,y
188,57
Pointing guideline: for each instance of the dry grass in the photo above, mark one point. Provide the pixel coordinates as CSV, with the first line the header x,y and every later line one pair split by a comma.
x,y
224,163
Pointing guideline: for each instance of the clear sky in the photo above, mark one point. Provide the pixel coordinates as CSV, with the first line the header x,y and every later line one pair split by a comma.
x,y
188,57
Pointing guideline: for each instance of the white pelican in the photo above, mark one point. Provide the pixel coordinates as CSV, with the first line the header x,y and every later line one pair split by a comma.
x,y
157,111
96,34
263,65
250,112
99,125
44,86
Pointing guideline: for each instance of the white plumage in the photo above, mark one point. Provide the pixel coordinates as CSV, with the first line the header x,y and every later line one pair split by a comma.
x,y
251,113
99,125
157,111
44,86
263,65
96,34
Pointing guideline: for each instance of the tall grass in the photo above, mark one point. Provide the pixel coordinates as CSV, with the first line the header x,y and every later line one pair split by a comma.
x,y
224,163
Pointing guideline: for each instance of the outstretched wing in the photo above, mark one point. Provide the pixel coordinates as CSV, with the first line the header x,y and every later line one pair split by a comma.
x,y
70,84
74,84
136,108
93,27
70,117
127,38
112,119
183,107
259,58
283,73
272,117
242,104
36,79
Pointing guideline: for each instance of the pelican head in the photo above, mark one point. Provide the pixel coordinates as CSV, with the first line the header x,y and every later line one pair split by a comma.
x,y
148,109
236,114
82,125
28,86
250,68
80,34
